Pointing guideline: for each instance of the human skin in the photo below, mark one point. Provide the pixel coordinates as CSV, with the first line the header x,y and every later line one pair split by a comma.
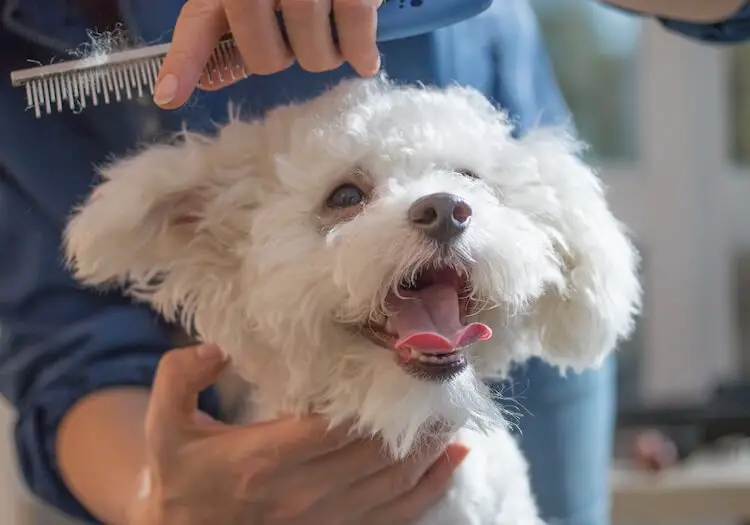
x,y
198,470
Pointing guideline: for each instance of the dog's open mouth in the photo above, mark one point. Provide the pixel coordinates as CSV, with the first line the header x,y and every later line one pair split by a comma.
x,y
428,324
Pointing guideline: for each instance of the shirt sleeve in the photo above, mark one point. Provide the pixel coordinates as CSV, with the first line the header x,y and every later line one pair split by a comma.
x,y
59,342
734,29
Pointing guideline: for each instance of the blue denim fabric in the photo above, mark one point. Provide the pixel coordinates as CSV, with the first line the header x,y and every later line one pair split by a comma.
x,y
565,432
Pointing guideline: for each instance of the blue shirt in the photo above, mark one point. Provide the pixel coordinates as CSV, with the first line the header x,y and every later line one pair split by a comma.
x,y
59,342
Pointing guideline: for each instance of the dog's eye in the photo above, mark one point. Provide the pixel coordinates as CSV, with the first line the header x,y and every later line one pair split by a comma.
x,y
345,196
467,173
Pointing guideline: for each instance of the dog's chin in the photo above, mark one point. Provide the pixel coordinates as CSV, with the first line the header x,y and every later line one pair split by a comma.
x,y
430,356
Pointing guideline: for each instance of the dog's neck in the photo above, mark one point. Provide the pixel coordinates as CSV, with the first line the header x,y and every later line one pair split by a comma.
x,y
379,397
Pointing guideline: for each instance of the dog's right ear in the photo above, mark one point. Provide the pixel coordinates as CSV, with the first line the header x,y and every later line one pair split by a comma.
x,y
163,209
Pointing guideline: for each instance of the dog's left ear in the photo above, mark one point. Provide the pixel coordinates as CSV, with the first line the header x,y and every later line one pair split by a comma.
x,y
165,210
578,321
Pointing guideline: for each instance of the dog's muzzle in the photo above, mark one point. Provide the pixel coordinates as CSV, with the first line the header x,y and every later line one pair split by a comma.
x,y
441,216
428,323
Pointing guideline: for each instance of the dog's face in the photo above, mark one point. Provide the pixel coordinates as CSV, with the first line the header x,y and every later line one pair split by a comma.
x,y
377,250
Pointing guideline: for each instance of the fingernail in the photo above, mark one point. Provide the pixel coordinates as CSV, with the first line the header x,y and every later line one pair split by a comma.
x,y
376,66
456,455
378,63
210,352
369,68
166,90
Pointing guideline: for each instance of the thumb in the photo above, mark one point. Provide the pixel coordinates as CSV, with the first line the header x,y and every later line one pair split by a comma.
x,y
181,376
199,28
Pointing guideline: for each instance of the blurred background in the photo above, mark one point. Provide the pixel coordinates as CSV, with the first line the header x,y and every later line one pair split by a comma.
x,y
668,123
667,120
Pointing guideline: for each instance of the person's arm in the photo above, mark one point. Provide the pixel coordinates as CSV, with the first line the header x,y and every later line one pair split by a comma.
x,y
63,347
714,21
704,11
100,423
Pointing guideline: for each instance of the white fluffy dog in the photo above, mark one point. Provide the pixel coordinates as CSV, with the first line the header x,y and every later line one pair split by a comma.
x,y
376,254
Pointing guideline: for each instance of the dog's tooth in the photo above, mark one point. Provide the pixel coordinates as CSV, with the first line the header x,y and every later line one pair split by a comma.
x,y
439,358
388,327
433,359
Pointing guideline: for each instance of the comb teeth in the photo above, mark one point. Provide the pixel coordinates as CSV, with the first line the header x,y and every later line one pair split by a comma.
x,y
120,76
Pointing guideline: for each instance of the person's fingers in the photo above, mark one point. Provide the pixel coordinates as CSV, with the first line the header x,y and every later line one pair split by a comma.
x,y
339,469
291,441
356,23
654,452
199,28
380,488
180,377
427,492
308,26
258,36
314,489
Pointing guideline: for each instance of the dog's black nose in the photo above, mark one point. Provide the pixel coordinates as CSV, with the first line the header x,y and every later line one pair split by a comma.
x,y
441,216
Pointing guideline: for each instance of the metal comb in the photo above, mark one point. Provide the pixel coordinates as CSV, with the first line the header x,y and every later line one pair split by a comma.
x,y
127,74
117,76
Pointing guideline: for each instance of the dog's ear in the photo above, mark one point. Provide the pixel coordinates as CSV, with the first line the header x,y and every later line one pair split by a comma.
x,y
170,209
578,321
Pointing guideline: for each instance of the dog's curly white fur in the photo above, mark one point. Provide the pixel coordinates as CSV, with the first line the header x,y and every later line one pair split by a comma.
x,y
232,236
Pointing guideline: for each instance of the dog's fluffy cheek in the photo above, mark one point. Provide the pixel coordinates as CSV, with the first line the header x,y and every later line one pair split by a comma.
x,y
514,259
515,262
287,283
368,255
577,323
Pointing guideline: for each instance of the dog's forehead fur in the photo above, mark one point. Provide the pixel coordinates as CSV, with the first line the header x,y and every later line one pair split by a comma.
x,y
398,133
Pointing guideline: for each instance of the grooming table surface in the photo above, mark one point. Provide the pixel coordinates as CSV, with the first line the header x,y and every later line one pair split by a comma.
x,y
706,487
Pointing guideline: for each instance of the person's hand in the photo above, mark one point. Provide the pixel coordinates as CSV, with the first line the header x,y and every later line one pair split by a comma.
x,y
201,471
253,24
654,452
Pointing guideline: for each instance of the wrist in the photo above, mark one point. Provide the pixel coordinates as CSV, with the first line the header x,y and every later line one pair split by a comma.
x,y
104,421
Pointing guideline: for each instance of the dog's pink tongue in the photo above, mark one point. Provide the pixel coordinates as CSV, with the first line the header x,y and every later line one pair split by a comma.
x,y
429,320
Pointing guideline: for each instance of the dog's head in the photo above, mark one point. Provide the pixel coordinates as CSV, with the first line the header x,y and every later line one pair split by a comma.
x,y
360,249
